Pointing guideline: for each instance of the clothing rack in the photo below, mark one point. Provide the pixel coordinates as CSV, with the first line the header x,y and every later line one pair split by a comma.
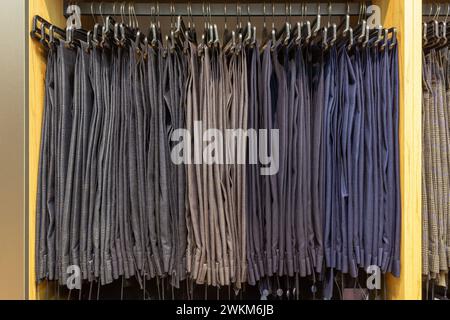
x,y
436,9
218,9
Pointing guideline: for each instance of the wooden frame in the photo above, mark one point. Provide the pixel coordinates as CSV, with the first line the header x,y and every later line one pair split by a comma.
x,y
406,15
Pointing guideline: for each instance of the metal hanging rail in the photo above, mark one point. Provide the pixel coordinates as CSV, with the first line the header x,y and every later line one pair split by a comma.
x,y
217,9
436,9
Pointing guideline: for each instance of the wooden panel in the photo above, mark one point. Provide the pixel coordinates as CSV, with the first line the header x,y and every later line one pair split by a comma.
x,y
52,11
406,15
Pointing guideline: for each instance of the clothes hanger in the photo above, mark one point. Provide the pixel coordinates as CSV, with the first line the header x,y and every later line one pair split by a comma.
x,y
254,40
226,32
131,26
321,33
204,41
334,35
192,32
360,30
157,26
229,44
266,35
324,39
181,32
307,27
116,28
372,37
74,36
205,26
239,31
384,45
379,36
211,33
152,33
284,35
366,37
238,40
92,13
216,36
444,27
43,37
171,40
431,31
38,32
425,28
51,34
332,27
98,27
273,33
424,34
108,29
247,32
393,31
297,30
124,29
345,23
71,36
343,29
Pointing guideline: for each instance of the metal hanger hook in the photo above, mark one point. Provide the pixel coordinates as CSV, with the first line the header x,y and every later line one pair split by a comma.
x,y
203,13
157,14
285,12
209,12
304,11
448,12
130,22
135,15
171,14
190,13
114,9
264,14
288,9
122,12
438,11
225,15
361,11
273,15
152,10
239,14
330,9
